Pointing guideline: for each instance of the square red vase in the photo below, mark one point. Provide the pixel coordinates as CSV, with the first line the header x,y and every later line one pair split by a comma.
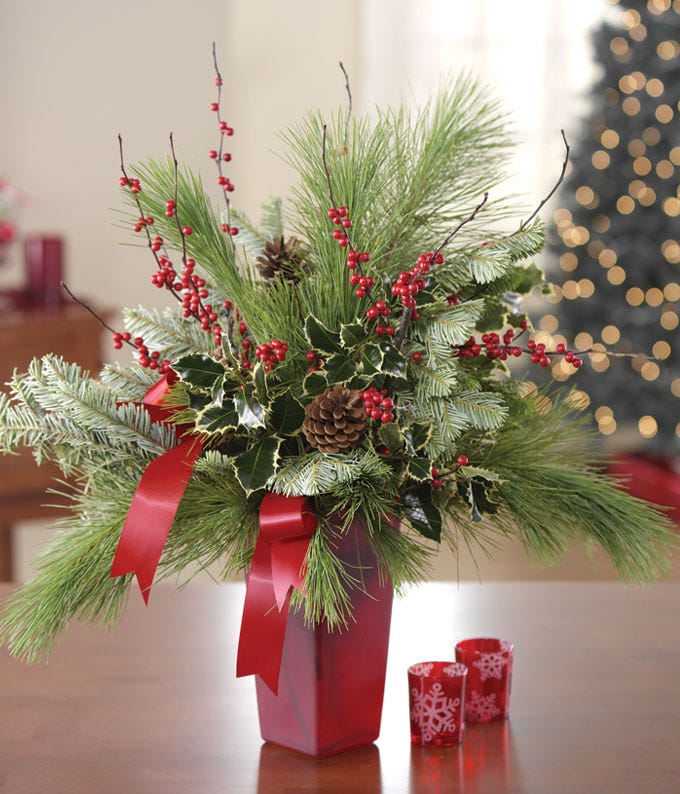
x,y
331,683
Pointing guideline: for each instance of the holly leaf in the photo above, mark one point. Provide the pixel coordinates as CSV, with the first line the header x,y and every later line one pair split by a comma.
x,y
217,419
420,469
390,435
340,368
315,383
199,370
417,436
286,414
248,408
483,474
321,339
372,359
255,466
353,334
421,513
393,363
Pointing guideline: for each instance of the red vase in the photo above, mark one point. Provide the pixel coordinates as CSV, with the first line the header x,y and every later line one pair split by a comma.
x,y
331,683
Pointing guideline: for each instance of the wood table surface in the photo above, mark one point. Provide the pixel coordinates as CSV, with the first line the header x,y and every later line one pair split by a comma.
x,y
155,705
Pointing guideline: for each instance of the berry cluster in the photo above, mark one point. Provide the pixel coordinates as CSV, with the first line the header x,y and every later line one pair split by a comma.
x,y
144,358
410,282
246,342
438,476
271,353
220,157
142,222
355,258
315,361
134,184
377,404
493,346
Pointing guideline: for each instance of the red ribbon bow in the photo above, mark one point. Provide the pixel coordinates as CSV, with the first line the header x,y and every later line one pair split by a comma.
x,y
156,499
286,527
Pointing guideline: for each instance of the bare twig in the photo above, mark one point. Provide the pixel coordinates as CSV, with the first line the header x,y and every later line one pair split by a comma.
x,y
349,103
97,317
525,223
457,228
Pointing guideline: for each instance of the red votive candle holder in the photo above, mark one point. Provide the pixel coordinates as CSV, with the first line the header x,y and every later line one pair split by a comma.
x,y
437,701
44,268
489,663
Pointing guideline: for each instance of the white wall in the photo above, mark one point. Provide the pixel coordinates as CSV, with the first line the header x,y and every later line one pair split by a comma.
x,y
77,72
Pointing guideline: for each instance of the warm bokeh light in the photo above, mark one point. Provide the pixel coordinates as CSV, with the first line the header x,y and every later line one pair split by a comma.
x,y
642,166
600,159
648,427
651,136
568,262
669,320
610,334
631,106
635,296
661,349
616,275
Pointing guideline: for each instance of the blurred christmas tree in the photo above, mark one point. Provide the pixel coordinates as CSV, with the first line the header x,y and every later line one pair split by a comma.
x,y
617,235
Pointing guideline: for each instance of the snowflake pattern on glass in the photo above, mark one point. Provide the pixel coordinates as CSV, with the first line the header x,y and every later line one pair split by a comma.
x,y
454,669
481,708
433,712
491,665
425,668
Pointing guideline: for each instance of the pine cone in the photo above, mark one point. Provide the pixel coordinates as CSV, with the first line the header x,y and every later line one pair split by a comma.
x,y
281,257
335,420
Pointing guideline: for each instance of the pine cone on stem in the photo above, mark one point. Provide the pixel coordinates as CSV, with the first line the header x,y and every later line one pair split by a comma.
x,y
335,421
281,257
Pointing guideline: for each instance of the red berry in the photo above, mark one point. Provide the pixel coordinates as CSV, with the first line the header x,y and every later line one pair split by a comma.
x,y
187,230
212,154
214,106
417,356
462,460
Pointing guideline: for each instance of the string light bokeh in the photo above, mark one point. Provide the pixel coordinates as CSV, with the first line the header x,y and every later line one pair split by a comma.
x,y
616,235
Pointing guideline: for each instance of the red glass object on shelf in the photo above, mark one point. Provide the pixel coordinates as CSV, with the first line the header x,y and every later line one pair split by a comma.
x,y
489,681
437,703
653,478
45,270
331,683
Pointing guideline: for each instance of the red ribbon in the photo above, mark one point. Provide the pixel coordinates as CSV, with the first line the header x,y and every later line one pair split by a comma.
x,y
156,500
286,527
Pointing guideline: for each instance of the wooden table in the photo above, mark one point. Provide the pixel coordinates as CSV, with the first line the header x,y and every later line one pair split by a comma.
x,y
155,706
75,335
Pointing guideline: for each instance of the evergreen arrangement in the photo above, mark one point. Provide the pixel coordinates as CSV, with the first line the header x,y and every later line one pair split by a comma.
x,y
351,348
617,233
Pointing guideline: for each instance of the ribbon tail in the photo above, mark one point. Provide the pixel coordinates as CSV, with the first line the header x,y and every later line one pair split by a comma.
x,y
263,627
288,560
152,512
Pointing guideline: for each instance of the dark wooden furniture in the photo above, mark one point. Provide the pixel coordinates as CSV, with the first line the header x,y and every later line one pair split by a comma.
x,y
155,706
73,334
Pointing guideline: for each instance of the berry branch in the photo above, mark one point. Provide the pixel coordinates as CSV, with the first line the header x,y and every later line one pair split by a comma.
x,y
220,156
424,262
143,223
